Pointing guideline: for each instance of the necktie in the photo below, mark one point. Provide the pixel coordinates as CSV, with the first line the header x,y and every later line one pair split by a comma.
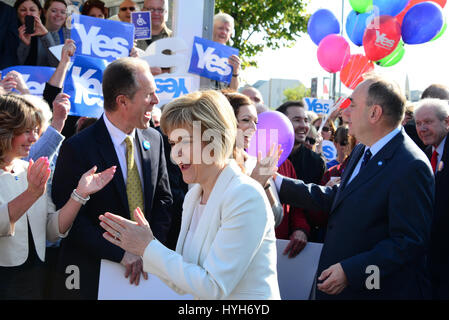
x,y
133,185
366,158
434,160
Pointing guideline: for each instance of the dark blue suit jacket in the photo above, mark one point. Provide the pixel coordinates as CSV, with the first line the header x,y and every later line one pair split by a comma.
x,y
85,246
439,244
381,218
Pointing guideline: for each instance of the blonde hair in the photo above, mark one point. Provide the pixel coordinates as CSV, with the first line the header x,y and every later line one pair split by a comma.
x,y
16,116
42,106
212,110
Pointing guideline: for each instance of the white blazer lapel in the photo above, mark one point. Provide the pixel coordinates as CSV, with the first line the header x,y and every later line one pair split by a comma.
x,y
210,220
188,207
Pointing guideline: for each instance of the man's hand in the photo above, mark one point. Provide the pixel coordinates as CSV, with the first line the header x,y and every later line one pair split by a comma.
x,y
298,240
334,280
134,266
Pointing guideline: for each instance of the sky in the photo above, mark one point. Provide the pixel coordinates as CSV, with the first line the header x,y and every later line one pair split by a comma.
x,y
424,63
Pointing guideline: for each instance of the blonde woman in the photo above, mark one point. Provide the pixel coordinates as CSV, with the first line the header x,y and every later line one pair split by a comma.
x,y
227,247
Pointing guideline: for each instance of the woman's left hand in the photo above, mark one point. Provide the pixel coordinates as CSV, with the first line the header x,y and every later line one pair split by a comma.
x,y
131,236
92,182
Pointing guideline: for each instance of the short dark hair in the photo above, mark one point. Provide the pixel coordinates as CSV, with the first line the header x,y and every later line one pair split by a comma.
x,y
437,91
89,4
37,3
388,95
48,3
120,78
293,103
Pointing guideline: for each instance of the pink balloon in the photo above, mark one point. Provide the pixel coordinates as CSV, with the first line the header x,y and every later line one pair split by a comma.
x,y
333,53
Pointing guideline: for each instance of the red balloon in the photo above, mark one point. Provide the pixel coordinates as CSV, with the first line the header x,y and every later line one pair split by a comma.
x,y
381,37
352,74
401,15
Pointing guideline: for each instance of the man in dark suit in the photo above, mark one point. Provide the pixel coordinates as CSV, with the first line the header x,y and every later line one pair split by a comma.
x,y
379,217
432,124
309,165
121,137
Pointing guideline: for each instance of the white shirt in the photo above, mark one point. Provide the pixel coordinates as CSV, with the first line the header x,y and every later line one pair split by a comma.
x,y
197,214
375,148
118,139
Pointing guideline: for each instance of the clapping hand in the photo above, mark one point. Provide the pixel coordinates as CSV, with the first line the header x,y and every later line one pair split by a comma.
x,y
267,167
37,176
92,182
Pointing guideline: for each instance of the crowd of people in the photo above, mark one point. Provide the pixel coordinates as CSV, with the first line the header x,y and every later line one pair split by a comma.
x,y
173,191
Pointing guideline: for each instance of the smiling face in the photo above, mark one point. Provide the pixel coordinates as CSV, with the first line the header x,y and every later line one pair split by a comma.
x,y
96,13
27,8
137,110
247,124
431,129
125,9
300,122
157,9
55,16
21,144
222,32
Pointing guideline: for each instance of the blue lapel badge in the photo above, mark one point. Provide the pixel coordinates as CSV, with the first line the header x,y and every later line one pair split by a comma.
x,y
146,145
380,163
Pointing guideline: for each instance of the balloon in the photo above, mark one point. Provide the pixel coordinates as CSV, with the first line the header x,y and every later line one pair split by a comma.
x,y
361,6
333,53
394,57
389,7
422,23
441,32
381,37
321,24
352,74
355,26
273,127
401,15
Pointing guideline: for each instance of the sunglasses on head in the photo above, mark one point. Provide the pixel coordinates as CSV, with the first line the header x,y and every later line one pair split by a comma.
x,y
310,140
126,8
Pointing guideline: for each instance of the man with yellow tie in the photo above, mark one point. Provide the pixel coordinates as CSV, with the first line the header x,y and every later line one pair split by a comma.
x,y
121,137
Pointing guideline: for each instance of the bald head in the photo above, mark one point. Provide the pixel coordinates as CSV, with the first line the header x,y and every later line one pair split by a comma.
x,y
253,94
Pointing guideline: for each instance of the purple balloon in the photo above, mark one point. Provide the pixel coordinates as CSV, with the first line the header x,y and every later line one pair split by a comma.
x,y
272,127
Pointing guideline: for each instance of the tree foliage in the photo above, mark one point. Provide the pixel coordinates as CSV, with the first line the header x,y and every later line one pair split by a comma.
x,y
263,24
296,93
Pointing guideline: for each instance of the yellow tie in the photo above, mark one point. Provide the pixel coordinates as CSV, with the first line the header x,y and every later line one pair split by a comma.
x,y
133,185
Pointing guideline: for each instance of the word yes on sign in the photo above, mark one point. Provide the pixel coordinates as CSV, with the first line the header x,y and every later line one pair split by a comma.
x,y
210,60
101,38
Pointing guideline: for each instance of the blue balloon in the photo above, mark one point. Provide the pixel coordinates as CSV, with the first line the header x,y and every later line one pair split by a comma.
x,y
321,24
422,23
389,7
355,26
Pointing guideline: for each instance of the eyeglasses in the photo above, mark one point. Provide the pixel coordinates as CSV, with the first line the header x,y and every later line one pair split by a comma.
x,y
158,10
311,141
128,8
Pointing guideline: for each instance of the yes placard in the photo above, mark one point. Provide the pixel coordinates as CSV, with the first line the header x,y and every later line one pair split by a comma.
x,y
101,38
210,60
35,77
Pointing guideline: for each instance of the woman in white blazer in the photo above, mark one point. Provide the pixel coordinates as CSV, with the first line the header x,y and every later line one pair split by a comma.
x,y
27,215
227,247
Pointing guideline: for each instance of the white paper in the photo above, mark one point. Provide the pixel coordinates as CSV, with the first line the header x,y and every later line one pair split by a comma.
x,y
296,275
114,286
57,51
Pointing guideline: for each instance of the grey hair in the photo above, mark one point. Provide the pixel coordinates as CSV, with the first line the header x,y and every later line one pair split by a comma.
x,y
224,17
441,107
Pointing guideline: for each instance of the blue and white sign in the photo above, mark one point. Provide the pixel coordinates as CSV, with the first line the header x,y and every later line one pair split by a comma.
x,y
142,24
83,84
329,150
35,77
170,87
210,60
102,38
319,106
